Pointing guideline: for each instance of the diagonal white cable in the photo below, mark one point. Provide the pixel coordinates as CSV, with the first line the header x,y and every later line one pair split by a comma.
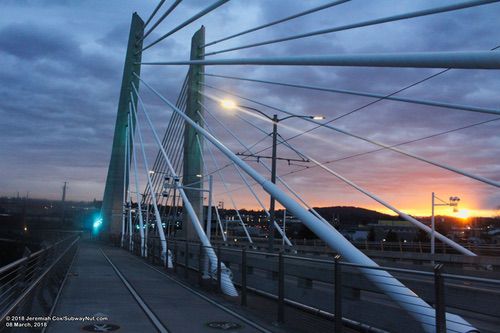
x,y
226,280
125,190
235,207
248,185
165,255
405,216
136,179
392,287
289,188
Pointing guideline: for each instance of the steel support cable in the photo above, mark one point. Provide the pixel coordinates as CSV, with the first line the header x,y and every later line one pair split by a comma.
x,y
161,170
187,22
283,182
333,238
414,221
129,200
288,18
392,18
167,12
154,12
137,194
165,253
205,170
173,144
448,59
339,130
367,94
226,280
249,187
235,207
375,101
170,143
124,198
396,145
159,163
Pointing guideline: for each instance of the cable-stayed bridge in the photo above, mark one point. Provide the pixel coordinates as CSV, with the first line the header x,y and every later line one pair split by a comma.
x,y
166,210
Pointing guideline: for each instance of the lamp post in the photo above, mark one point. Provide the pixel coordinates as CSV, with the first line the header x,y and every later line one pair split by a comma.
x,y
453,202
229,104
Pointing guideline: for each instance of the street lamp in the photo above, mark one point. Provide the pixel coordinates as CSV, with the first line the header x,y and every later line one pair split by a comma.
x,y
229,104
453,202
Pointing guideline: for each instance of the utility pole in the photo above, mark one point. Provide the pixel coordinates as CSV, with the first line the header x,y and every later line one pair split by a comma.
x,y
272,204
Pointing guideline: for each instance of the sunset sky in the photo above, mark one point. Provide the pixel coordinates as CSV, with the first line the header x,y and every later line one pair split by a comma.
x,y
61,75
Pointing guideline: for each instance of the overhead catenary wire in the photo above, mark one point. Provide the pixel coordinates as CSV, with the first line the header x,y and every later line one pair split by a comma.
x,y
374,142
288,18
249,187
392,18
235,207
187,22
405,216
396,145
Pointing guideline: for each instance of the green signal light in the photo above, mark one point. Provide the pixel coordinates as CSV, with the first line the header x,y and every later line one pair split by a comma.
x,y
97,223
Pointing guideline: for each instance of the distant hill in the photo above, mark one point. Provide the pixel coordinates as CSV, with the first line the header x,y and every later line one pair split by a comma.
x,y
349,216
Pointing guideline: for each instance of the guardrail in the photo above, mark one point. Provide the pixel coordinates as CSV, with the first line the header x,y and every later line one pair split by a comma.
x,y
336,290
29,286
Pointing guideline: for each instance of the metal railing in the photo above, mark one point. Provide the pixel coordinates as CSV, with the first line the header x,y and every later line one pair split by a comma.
x,y
29,286
335,290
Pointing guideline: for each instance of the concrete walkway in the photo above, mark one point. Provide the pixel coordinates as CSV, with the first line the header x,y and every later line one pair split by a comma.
x,y
93,289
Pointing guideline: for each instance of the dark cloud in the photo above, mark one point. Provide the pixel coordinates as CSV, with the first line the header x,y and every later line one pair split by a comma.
x,y
62,63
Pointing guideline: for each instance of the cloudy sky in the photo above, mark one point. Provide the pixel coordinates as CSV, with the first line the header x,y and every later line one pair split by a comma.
x,y
61,72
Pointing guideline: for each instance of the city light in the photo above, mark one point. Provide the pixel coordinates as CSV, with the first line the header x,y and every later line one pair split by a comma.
x,y
228,104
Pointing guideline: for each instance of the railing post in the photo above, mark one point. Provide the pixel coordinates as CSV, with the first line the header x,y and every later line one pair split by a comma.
x,y
219,269
281,288
186,260
244,277
338,295
439,299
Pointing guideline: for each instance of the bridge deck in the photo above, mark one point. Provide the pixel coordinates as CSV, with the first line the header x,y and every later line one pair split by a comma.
x,y
94,288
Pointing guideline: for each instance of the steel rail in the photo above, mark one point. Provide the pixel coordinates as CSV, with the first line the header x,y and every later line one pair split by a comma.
x,y
392,18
